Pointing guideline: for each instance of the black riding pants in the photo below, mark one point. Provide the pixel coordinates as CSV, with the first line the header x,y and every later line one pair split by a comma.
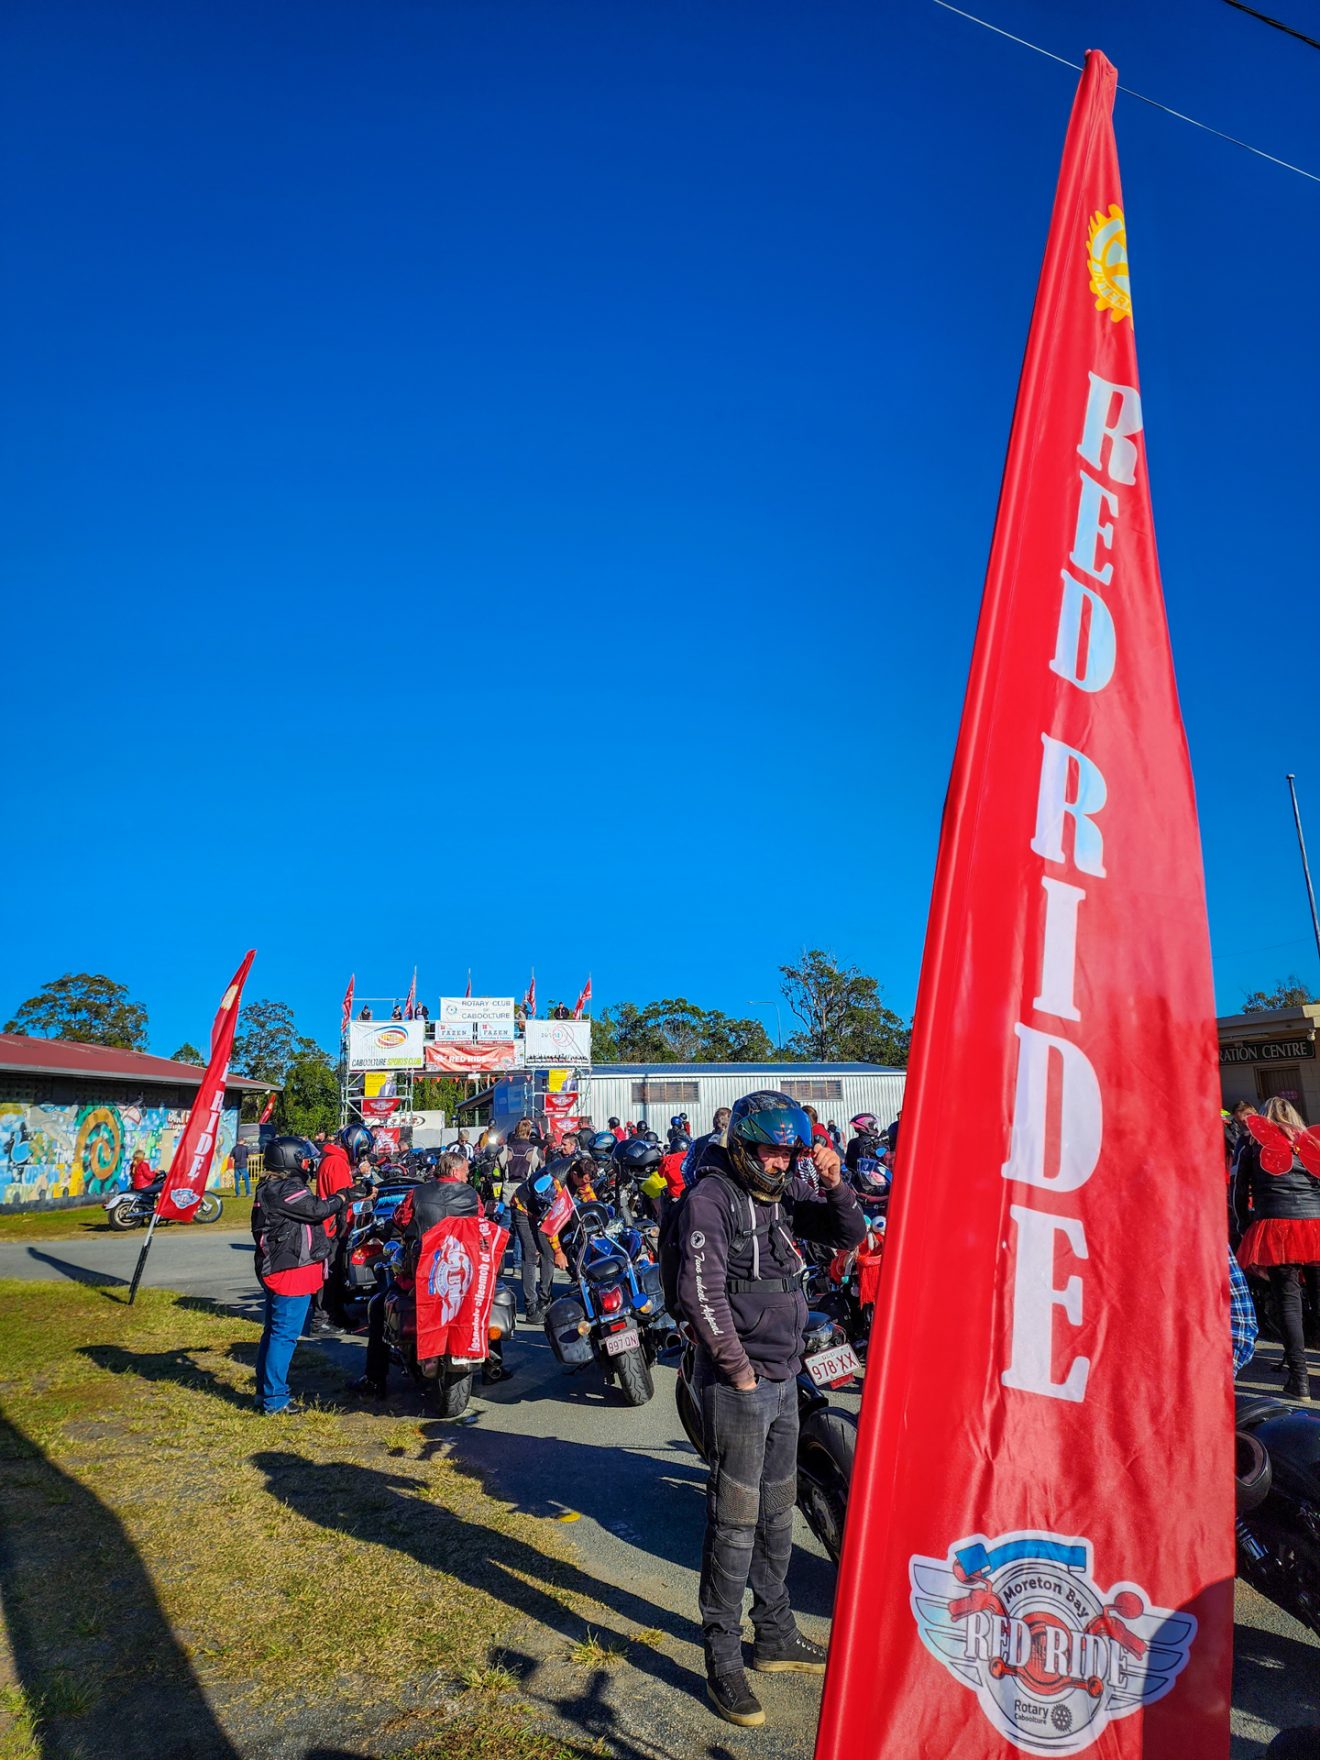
x,y
751,1445
538,1261
378,1352
1286,1281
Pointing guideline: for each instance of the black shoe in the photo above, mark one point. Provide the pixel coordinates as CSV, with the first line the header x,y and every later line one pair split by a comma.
x,y
1297,1387
734,1699
534,1316
364,1384
797,1656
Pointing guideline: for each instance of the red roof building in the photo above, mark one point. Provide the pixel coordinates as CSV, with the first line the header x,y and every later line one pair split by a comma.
x,y
67,1057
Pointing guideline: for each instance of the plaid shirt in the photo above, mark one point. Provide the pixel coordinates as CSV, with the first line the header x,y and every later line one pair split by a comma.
x,y
1241,1317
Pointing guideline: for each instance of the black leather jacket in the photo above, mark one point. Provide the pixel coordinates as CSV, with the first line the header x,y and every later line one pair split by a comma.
x,y
1291,1196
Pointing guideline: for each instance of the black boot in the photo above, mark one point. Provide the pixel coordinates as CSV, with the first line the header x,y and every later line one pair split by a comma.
x,y
798,1655
1297,1386
734,1699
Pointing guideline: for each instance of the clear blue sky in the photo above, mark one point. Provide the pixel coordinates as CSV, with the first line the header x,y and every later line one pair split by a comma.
x,y
606,401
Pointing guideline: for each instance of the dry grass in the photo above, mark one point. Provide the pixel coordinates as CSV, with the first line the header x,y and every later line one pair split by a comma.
x,y
178,1563
52,1225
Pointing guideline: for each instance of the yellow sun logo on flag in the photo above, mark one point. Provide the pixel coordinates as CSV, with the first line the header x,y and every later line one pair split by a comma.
x,y
1106,254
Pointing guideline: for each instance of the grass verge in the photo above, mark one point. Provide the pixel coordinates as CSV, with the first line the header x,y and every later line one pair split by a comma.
x,y
192,1575
52,1225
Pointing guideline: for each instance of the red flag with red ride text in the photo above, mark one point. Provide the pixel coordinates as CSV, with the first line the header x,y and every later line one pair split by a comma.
x,y
457,1271
1039,1547
191,1164
584,997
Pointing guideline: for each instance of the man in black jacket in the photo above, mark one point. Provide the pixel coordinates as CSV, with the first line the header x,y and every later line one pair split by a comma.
x,y
740,1289
447,1193
292,1251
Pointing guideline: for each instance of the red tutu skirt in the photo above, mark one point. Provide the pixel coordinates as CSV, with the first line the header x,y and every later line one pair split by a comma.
x,y
1280,1241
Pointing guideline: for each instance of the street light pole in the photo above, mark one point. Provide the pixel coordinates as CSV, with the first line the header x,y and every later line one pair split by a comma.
x,y
779,1025
1306,866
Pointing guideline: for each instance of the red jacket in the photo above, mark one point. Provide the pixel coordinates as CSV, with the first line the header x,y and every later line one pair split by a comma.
x,y
332,1176
142,1175
671,1166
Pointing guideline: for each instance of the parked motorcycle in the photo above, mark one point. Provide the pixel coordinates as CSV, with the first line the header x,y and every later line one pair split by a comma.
x,y
125,1210
616,1317
445,1382
827,1437
844,1285
1278,1503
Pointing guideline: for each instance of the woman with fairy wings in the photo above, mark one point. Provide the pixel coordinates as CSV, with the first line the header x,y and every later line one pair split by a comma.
x,y
1278,1205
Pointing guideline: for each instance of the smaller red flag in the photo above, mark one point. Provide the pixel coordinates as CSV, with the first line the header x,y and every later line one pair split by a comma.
x,y
529,1000
348,1000
410,1007
457,1273
584,997
559,1215
191,1165
468,991
267,1109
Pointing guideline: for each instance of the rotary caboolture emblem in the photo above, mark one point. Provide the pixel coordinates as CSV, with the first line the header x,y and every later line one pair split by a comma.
x,y
1051,1657
1106,258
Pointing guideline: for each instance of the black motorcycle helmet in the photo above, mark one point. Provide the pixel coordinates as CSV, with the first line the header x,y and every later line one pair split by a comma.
x,y
651,1137
560,1168
679,1143
356,1141
602,1145
774,1120
613,1124
638,1156
291,1155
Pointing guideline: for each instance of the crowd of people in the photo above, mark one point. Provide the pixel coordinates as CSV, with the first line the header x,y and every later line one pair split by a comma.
x,y
735,1200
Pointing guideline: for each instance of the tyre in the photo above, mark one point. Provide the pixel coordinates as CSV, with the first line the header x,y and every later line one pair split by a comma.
x,y
447,1395
210,1208
826,1447
634,1377
689,1417
121,1217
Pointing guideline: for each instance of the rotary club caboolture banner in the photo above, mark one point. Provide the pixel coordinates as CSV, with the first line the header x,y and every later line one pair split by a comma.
x,y
1039,1547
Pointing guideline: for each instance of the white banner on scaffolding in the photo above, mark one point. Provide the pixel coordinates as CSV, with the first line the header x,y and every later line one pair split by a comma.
x,y
557,1044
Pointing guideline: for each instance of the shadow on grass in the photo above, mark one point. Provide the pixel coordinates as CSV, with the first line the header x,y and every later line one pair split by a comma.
x,y
334,1496
176,1365
105,1282
100,1668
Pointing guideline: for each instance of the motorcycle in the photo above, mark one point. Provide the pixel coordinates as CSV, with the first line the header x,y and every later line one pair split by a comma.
x,y
617,1316
1278,1503
125,1210
445,1382
827,1437
845,1285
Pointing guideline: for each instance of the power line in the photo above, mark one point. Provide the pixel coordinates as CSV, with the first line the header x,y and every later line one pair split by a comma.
x,y
1154,103
1264,17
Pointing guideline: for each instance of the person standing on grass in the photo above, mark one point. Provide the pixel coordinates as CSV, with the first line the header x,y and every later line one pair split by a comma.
x,y
291,1255
241,1153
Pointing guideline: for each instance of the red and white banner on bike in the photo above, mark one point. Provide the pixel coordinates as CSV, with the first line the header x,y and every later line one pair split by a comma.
x,y
1039,1548
457,1272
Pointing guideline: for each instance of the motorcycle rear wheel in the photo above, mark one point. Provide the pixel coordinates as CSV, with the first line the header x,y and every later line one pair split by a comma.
x,y
446,1396
121,1217
689,1417
634,1377
826,1448
210,1208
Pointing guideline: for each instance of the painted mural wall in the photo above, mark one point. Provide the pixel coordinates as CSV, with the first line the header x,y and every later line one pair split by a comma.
x,y
67,1151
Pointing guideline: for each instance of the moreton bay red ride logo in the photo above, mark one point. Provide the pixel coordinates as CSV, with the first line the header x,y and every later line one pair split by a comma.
x,y
1051,1657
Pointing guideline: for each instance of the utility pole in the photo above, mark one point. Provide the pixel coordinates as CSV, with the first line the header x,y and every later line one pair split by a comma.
x,y
779,1024
1306,866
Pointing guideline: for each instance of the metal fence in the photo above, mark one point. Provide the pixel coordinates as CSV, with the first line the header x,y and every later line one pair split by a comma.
x,y
256,1170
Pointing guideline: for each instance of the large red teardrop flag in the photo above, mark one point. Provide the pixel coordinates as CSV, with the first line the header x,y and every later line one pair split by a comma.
x,y
185,1183
1039,1551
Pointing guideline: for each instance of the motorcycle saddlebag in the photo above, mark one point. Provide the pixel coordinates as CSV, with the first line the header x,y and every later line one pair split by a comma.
x,y
648,1277
561,1327
502,1311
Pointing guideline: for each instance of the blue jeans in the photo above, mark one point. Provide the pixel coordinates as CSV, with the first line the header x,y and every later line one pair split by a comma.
x,y
285,1318
241,1173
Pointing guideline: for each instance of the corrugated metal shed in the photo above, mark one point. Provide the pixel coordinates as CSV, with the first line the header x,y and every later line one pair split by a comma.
x,y
651,1093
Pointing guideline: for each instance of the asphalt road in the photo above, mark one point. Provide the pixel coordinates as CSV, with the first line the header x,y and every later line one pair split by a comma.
x,y
628,1491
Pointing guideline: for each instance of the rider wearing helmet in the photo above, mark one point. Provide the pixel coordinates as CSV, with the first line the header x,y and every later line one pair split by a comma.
x,y
291,1254
671,1165
336,1172
534,1192
446,1193
740,1290
618,1129
865,1139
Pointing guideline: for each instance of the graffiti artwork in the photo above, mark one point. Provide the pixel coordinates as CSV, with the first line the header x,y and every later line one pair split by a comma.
x,y
49,1152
